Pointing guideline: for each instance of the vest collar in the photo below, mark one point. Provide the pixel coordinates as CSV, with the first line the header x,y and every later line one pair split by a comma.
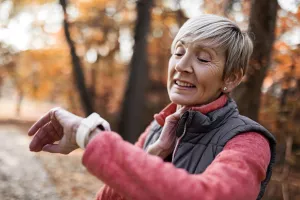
x,y
204,109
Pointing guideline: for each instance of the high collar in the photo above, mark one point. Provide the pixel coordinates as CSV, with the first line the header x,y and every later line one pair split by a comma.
x,y
204,109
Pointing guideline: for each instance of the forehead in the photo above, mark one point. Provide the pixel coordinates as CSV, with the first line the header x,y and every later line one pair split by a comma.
x,y
200,44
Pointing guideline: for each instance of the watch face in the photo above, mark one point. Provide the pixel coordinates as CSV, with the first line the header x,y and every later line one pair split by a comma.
x,y
101,127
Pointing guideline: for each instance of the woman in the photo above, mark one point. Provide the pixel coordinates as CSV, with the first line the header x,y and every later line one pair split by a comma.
x,y
198,147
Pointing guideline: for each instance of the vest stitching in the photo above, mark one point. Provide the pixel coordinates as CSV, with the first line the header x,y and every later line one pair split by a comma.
x,y
178,142
220,138
239,121
151,134
203,144
198,160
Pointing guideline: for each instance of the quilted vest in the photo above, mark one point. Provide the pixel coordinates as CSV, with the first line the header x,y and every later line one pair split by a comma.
x,y
203,137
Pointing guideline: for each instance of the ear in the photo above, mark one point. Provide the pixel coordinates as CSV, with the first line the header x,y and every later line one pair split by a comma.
x,y
232,81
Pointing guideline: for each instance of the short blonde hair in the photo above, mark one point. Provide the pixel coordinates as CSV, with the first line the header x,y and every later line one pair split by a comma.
x,y
219,32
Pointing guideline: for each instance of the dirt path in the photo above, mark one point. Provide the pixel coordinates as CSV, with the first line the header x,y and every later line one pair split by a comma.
x,y
22,176
25,175
30,176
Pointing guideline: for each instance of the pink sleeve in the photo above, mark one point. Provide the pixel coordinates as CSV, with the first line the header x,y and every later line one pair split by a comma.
x,y
106,192
235,174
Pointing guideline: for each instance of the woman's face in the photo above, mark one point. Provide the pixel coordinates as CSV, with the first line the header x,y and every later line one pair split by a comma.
x,y
195,73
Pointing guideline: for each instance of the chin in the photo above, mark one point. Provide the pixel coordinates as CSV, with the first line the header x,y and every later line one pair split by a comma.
x,y
179,100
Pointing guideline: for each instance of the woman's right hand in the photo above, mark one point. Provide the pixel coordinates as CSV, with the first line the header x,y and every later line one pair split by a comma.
x,y
56,125
166,142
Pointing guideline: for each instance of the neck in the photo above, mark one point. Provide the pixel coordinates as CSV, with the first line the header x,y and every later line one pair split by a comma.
x,y
213,99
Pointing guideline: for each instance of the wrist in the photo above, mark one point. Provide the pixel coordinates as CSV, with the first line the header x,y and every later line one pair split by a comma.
x,y
164,145
156,149
86,128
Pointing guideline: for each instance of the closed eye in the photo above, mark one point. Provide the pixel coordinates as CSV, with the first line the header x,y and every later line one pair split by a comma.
x,y
178,54
202,60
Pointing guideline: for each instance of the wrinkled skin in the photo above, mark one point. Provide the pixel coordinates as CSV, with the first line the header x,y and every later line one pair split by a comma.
x,y
56,125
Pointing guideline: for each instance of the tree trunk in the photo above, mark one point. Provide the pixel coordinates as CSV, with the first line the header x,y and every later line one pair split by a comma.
x,y
93,88
228,7
180,16
76,65
262,24
130,124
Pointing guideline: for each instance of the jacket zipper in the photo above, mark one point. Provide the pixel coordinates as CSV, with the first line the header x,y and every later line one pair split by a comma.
x,y
178,140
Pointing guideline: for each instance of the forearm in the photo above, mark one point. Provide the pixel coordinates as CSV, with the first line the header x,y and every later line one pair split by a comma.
x,y
106,192
137,175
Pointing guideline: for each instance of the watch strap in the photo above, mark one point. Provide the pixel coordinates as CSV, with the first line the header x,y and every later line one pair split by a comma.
x,y
86,126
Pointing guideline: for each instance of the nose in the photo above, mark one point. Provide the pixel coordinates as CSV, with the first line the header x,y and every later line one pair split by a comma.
x,y
184,64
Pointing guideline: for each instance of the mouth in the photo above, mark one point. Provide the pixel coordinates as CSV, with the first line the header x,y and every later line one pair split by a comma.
x,y
184,84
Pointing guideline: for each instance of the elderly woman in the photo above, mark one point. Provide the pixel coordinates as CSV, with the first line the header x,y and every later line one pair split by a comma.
x,y
198,147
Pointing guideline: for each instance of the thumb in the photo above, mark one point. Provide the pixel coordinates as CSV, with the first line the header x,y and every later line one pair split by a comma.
x,y
183,109
175,116
52,148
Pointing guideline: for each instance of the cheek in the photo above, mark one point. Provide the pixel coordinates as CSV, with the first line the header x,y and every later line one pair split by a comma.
x,y
171,65
208,76
171,69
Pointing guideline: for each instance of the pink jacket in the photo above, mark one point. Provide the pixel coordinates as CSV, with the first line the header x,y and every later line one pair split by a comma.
x,y
131,173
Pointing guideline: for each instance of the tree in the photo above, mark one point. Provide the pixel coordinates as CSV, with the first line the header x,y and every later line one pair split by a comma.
x,y
77,69
133,104
262,25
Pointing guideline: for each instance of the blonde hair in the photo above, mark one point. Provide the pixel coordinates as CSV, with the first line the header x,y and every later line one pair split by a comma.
x,y
221,33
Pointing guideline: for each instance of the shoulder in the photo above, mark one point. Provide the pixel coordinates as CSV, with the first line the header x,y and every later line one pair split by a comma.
x,y
248,139
240,125
251,144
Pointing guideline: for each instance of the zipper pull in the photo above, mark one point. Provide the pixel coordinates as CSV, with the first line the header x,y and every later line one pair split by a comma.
x,y
181,124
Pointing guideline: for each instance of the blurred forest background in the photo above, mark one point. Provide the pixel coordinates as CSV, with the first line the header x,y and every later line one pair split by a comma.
x,y
111,57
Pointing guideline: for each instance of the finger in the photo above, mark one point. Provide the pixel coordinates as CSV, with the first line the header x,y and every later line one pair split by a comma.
x,y
175,116
183,109
45,135
180,111
57,148
52,148
56,125
37,142
41,122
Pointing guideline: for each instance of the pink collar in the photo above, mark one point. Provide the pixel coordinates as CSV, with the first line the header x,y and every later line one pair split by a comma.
x,y
171,108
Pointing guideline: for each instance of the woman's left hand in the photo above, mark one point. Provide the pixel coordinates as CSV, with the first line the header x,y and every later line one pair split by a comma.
x,y
166,142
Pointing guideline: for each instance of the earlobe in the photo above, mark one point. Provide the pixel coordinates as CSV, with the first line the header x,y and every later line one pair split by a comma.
x,y
232,81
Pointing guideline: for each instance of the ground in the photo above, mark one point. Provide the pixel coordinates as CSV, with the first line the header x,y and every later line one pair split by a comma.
x,y
26,175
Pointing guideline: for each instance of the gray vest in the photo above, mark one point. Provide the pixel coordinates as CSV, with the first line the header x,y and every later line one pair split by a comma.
x,y
203,137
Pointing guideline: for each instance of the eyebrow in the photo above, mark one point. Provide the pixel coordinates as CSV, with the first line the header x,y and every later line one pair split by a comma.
x,y
209,50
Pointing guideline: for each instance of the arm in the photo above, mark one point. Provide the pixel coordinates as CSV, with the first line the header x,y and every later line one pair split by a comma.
x,y
106,192
137,175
